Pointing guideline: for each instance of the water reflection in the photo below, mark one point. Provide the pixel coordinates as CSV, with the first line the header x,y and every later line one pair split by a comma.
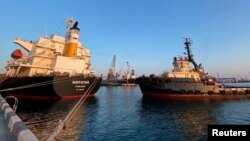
x,y
116,117
41,117
179,120
118,113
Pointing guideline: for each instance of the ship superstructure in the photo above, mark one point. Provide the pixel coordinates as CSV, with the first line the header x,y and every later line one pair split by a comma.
x,y
51,55
183,70
50,67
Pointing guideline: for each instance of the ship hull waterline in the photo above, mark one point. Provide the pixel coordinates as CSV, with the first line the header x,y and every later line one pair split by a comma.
x,y
50,88
162,94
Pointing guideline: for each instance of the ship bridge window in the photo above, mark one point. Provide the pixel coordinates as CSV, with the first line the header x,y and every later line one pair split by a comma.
x,y
182,65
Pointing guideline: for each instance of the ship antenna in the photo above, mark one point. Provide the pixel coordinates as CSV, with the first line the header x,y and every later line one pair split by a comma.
x,y
188,42
70,22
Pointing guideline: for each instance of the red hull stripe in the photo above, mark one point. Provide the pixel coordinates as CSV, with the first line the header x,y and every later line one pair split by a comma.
x,y
29,97
194,96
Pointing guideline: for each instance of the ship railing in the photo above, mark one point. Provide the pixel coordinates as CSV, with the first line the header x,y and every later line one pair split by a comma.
x,y
20,39
18,61
44,45
234,90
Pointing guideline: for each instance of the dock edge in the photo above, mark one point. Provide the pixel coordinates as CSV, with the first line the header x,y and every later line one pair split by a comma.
x,y
16,127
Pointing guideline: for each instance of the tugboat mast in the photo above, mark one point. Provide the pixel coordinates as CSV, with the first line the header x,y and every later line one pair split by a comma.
x,y
188,43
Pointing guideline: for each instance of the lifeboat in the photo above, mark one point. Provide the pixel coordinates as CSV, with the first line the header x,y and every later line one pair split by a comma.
x,y
17,54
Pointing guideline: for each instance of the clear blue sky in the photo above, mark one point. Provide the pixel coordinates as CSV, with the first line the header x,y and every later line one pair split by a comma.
x,y
147,33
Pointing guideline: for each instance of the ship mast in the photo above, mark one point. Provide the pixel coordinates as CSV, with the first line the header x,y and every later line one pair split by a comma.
x,y
188,43
199,67
70,23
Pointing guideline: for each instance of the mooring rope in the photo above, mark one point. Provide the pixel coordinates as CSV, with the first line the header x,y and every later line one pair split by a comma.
x,y
60,80
62,123
70,114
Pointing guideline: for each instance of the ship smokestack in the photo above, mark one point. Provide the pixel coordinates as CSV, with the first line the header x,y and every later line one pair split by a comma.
x,y
72,41
75,26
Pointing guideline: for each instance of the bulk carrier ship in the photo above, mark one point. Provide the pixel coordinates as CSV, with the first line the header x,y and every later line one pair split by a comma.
x,y
52,67
185,82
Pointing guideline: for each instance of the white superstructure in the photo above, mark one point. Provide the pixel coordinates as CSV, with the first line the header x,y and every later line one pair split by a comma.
x,y
52,55
182,69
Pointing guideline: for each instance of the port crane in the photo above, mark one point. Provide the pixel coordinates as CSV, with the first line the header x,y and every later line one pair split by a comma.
x,y
111,73
122,76
120,71
129,73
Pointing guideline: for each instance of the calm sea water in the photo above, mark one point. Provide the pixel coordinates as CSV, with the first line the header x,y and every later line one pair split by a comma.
x,y
117,113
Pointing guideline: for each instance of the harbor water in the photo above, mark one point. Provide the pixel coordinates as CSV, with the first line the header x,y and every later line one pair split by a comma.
x,y
120,113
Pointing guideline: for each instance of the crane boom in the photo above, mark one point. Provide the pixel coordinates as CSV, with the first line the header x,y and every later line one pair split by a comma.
x,y
111,73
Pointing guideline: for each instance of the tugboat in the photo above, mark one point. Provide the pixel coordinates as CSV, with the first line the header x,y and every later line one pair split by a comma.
x,y
52,67
184,82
